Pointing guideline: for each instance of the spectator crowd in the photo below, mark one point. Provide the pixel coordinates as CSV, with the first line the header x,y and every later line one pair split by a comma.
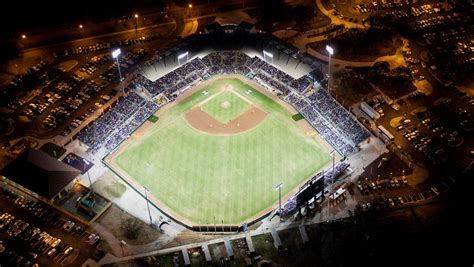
x,y
330,119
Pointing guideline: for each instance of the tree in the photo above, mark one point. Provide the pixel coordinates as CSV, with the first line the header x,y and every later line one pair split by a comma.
x,y
131,228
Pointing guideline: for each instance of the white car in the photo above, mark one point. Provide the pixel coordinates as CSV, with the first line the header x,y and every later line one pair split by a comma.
x,y
68,250
93,238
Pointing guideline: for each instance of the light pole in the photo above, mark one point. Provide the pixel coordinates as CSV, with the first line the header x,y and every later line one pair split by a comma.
x,y
115,54
88,175
332,181
136,22
90,181
333,158
24,40
278,187
123,244
81,30
148,205
330,51
190,6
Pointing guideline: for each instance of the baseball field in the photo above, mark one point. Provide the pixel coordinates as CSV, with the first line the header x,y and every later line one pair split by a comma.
x,y
216,155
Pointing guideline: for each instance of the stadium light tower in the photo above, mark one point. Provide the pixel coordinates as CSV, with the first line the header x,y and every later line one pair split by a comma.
x,y
333,152
267,54
183,55
115,54
330,51
148,204
278,187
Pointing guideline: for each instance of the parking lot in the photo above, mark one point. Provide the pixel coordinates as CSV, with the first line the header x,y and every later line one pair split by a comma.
x,y
34,233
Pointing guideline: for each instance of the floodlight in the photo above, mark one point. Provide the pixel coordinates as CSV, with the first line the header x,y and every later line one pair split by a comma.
x,y
183,55
330,50
268,54
116,53
278,186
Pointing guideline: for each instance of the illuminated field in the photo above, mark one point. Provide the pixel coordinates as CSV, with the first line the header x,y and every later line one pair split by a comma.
x,y
198,175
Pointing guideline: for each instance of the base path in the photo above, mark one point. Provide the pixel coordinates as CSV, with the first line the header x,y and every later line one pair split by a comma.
x,y
200,120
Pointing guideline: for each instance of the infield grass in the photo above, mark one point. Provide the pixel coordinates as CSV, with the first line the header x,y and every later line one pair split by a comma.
x,y
200,176
225,106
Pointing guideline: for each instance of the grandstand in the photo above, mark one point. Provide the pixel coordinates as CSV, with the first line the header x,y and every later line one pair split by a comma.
x,y
294,77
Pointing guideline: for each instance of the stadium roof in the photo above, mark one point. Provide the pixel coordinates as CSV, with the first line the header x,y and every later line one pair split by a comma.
x,y
232,37
40,173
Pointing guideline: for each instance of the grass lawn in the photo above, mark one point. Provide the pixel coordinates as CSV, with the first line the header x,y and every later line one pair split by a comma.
x,y
201,176
225,106
116,189
153,118
53,150
297,117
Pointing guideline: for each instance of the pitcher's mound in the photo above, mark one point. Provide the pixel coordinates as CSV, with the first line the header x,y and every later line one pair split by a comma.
x,y
225,104
204,122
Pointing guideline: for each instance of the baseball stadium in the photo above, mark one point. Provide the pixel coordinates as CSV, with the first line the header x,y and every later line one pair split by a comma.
x,y
225,129
219,151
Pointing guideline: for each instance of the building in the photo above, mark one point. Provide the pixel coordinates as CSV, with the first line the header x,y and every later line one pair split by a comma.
x,y
40,175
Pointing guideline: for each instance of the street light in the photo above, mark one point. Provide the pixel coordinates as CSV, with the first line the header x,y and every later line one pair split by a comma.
x,y
24,41
136,21
148,205
123,244
330,51
88,175
278,187
190,6
81,30
115,54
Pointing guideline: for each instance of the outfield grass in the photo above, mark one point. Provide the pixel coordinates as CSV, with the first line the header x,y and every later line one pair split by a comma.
x,y
225,106
200,176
